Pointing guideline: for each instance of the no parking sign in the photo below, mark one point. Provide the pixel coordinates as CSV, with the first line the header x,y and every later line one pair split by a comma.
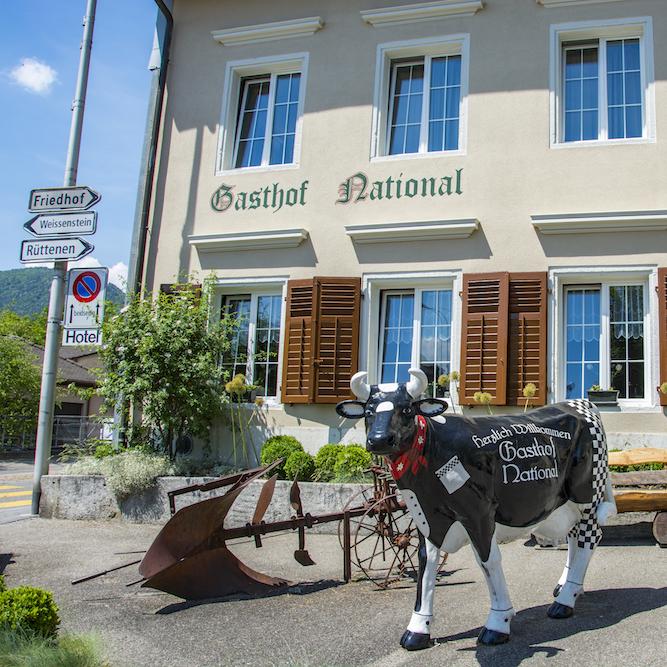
x,y
84,306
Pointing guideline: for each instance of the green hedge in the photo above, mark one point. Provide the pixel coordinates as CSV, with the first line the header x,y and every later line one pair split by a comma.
x,y
30,610
300,466
279,446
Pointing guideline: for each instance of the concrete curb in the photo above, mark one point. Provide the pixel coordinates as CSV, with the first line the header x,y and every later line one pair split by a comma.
x,y
87,497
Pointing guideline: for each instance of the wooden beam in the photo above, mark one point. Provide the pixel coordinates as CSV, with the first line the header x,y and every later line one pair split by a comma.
x,y
640,478
641,501
632,457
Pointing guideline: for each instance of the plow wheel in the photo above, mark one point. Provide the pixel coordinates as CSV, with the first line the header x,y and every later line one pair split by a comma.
x,y
385,542
365,497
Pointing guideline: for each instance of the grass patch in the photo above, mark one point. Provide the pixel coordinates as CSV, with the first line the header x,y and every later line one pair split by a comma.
x,y
19,649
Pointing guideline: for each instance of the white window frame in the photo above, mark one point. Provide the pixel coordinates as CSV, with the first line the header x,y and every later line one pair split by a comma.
x,y
600,32
562,278
255,287
431,47
235,72
374,285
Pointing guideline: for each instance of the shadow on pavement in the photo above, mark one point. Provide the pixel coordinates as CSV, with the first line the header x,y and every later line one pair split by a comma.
x,y
5,560
295,589
531,628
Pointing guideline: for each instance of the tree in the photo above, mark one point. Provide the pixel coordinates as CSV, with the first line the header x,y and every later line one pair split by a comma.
x,y
19,387
29,327
162,355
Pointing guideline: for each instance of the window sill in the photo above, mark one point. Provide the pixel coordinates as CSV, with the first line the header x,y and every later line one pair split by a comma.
x,y
262,240
592,223
417,156
423,11
559,145
400,232
260,169
264,32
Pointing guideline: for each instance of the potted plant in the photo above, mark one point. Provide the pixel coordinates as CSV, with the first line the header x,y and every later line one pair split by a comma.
x,y
601,396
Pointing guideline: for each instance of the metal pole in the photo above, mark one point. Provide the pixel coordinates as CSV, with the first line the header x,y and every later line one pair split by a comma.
x,y
57,294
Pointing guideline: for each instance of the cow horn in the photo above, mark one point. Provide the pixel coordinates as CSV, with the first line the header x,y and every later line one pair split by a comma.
x,y
417,383
359,387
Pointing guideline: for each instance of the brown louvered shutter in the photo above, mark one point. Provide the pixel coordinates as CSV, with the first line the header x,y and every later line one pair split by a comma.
x,y
527,337
662,330
337,342
484,337
298,381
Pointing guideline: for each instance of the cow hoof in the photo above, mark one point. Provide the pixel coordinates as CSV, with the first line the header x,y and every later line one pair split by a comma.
x,y
557,590
558,610
415,641
492,637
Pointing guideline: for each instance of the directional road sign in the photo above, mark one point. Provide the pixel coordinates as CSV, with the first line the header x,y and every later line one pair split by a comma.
x,y
63,224
84,306
54,250
75,198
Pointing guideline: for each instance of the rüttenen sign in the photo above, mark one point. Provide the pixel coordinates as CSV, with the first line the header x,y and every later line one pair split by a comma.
x,y
54,250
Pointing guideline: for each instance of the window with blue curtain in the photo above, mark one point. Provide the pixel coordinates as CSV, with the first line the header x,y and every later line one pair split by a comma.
x,y
425,118
268,114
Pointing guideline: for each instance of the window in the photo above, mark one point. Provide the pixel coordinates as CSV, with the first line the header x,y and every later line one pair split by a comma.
x,y
605,342
256,340
262,112
420,97
603,81
422,121
267,120
416,329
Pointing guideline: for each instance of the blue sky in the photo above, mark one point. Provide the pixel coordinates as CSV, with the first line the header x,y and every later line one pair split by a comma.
x,y
39,56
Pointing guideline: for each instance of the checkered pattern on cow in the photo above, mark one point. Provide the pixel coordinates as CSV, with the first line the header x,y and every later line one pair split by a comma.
x,y
587,531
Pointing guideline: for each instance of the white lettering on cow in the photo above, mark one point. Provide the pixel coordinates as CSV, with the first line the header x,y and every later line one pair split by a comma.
x,y
385,406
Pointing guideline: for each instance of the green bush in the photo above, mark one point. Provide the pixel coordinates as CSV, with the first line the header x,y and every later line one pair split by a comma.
x,y
3,585
279,446
102,451
17,649
352,463
325,461
131,471
300,465
28,609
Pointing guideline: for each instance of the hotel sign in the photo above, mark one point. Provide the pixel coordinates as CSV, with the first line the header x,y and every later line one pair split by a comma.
x,y
356,188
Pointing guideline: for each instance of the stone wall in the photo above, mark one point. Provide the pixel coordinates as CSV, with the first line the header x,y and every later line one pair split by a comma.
x,y
87,497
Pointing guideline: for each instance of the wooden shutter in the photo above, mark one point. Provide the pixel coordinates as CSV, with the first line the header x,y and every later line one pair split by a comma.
x,y
527,337
321,345
484,337
337,343
662,330
298,381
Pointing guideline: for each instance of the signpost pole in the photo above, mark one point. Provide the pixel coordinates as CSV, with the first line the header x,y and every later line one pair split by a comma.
x,y
57,294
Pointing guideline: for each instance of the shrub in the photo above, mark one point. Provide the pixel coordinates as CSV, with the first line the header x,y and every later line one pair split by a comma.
x,y
352,463
279,446
3,585
300,465
131,471
325,461
102,451
31,610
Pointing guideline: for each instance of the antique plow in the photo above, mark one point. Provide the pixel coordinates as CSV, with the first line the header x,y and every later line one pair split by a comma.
x,y
190,557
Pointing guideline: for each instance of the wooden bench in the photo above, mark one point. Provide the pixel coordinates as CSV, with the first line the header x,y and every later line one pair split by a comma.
x,y
642,490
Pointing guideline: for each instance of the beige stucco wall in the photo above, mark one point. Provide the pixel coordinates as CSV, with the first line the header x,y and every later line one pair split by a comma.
x,y
509,170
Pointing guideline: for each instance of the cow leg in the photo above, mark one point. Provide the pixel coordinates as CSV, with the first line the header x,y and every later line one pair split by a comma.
x,y
571,583
496,630
418,634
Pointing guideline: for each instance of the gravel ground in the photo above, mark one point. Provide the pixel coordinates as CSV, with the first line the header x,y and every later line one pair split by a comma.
x,y
620,621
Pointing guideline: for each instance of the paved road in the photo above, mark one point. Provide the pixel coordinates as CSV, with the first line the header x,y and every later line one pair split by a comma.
x,y
620,621
15,499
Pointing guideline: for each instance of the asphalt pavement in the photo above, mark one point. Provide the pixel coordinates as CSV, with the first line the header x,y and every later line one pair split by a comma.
x,y
620,620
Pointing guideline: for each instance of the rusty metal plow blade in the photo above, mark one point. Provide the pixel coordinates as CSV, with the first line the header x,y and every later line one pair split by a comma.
x,y
189,557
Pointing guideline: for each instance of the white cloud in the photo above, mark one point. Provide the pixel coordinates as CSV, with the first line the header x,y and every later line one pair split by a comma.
x,y
34,76
118,275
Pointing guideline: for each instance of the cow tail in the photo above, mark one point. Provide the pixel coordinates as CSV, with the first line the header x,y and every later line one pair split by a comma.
x,y
607,508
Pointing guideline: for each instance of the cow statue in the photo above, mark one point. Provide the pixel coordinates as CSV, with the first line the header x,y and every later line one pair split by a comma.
x,y
487,480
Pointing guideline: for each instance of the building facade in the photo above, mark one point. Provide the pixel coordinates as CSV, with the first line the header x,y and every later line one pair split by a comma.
x,y
473,186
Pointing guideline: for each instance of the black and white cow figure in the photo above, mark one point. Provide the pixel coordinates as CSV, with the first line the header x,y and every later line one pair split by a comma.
x,y
488,480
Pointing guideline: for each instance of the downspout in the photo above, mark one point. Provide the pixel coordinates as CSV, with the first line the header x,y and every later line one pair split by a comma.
x,y
135,275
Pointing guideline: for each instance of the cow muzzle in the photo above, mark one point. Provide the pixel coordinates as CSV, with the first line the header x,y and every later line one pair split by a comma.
x,y
381,444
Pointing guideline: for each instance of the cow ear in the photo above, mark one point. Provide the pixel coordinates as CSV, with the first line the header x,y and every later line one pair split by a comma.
x,y
351,409
430,407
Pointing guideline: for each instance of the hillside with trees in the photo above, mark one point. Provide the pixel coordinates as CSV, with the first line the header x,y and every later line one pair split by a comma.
x,y
26,291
